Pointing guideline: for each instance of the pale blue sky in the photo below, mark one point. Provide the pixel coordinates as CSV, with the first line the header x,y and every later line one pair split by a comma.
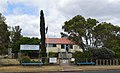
x,y
25,13
23,9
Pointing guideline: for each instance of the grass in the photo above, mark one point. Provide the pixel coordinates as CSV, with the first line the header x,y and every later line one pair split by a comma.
x,y
9,62
83,68
29,68
54,68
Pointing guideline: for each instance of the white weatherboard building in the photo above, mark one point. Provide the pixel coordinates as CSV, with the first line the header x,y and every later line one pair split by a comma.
x,y
62,46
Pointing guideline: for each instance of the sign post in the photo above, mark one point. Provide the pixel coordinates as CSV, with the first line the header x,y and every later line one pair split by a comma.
x,y
30,47
53,60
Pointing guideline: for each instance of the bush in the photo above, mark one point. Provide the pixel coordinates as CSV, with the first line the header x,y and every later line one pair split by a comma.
x,y
82,56
52,54
26,59
103,53
117,55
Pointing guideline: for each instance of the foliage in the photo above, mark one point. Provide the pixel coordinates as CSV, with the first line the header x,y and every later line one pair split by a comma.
x,y
103,53
79,29
52,54
91,33
4,35
26,59
15,34
30,41
82,55
117,55
103,33
25,40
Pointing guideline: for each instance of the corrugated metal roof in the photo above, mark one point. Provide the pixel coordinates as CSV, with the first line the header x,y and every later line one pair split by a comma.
x,y
58,41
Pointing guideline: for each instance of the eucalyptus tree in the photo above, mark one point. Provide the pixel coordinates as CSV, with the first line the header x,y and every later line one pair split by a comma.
x,y
79,29
74,29
15,35
89,33
90,25
105,34
4,35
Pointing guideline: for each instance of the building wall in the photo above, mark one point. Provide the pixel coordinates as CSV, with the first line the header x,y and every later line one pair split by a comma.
x,y
59,49
64,55
77,48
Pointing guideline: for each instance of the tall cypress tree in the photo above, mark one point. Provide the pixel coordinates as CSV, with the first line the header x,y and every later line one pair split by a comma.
x,y
42,32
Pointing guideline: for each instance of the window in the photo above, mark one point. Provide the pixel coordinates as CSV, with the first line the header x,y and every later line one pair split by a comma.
x,y
54,45
51,45
62,45
71,46
66,46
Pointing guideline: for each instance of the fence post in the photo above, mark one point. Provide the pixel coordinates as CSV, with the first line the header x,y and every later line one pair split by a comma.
x,y
100,62
103,62
96,62
106,62
86,60
91,60
110,61
116,61
59,61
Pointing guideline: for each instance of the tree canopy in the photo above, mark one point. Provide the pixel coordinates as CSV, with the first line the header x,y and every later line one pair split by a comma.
x,y
4,35
90,33
25,40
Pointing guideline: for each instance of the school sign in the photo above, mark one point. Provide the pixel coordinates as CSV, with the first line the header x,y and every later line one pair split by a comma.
x,y
29,47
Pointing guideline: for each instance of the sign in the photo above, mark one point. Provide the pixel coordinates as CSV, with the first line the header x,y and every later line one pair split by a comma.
x,y
52,60
72,59
64,61
29,47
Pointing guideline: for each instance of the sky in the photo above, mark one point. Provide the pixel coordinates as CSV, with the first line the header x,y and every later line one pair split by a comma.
x,y
26,13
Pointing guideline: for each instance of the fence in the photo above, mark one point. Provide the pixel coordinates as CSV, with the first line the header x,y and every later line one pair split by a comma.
x,y
108,62
101,61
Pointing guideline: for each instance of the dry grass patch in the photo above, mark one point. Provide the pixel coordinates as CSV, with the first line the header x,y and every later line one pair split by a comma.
x,y
9,62
29,68
94,67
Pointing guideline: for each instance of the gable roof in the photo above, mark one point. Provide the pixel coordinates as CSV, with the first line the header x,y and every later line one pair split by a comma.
x,y
58,41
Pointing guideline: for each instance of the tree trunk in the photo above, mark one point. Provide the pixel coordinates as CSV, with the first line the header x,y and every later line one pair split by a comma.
x,y
82,45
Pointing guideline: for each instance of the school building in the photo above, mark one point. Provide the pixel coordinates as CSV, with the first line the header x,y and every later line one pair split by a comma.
x,y
62,46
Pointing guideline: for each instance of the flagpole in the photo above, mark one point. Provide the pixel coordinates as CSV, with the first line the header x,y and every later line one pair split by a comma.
x,y
48,42
47,47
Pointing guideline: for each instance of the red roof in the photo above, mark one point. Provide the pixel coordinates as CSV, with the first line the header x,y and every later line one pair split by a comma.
x,y
58,41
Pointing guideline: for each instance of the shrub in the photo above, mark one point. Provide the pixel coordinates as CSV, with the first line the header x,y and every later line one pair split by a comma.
x,y
103,53
52,54
117,55
82,56
26,59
